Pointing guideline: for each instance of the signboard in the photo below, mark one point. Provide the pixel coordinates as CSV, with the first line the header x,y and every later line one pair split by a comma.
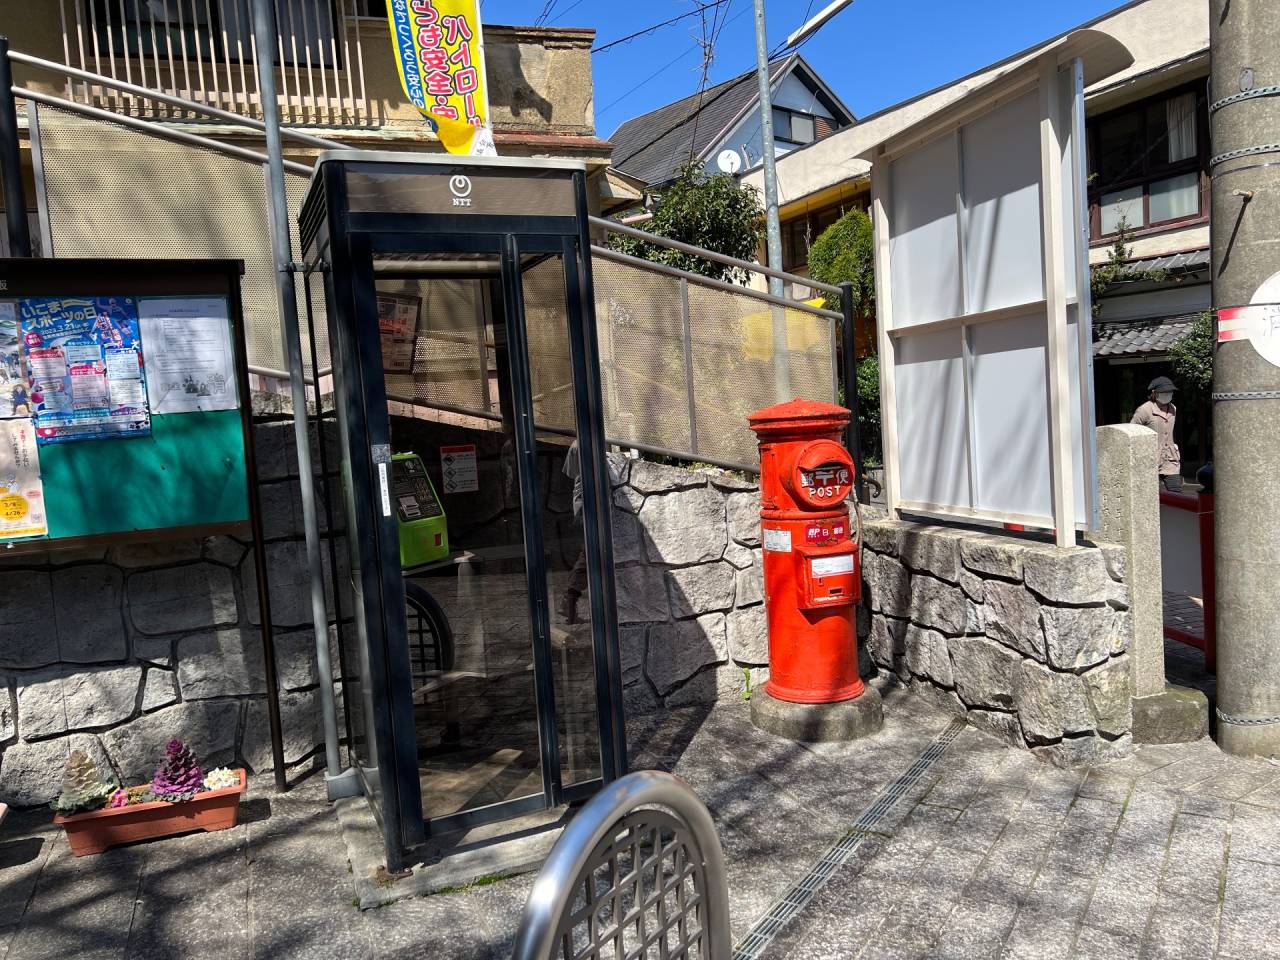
x,y
13,385
84,367
1259,322
21,492
398,326
458,468
439,52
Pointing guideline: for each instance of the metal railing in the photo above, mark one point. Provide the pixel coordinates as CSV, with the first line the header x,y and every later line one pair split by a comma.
x,y
637,873
204,51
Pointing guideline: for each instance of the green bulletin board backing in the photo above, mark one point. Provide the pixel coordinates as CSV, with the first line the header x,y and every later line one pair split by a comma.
x,y
189,472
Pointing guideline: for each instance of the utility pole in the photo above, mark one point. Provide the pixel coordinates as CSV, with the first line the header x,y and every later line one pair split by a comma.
x,y
1244,116
772,229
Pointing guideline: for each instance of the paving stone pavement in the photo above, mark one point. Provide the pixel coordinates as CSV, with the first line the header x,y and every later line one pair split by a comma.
x,y
1172,852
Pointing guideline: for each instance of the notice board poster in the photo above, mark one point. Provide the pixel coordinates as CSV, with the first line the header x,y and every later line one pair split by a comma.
x,y
190,358
84,367
21,492
13,385
398,324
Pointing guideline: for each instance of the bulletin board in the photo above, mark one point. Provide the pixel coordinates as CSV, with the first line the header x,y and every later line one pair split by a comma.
x,y
182,465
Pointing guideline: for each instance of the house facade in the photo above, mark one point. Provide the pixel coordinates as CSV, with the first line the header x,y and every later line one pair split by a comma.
x,y
1148,152
718,129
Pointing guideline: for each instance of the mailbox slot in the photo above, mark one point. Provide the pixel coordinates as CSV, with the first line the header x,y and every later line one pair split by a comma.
x,y
828,576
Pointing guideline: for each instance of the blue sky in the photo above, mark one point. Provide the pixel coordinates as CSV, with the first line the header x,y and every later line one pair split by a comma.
x,y
874,54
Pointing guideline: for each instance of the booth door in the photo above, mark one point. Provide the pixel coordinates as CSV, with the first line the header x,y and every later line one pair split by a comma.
x,y
496,656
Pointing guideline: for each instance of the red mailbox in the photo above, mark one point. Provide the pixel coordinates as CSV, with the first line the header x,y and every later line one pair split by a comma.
x,y
812,580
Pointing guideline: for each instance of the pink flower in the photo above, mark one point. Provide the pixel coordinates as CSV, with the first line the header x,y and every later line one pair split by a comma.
x,y
119,799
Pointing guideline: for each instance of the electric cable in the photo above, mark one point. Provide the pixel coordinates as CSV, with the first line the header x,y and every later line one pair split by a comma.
x,y
647,30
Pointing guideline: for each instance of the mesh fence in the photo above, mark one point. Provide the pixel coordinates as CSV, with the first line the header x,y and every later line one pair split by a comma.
x,y
683,364
117,192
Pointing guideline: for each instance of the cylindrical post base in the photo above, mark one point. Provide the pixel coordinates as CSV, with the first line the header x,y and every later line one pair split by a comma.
x,y
853,719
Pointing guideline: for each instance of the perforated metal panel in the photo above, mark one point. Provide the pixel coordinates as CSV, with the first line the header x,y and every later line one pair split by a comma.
x,y
115,192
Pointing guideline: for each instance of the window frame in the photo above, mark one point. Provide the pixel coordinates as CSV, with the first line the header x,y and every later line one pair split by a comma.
x,y
1151,173
788,114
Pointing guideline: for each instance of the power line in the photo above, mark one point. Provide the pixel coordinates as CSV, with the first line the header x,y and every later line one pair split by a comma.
x,y
656,26
565,11
547,9
661,69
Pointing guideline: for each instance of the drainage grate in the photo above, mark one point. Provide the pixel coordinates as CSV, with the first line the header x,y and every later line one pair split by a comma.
x,y
797,898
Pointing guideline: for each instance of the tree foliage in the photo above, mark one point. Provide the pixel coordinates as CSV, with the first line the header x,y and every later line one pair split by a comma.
x,y
1117,268
1192,357
707,210
845,251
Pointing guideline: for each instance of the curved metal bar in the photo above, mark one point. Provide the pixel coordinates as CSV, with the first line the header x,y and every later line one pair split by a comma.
x,y
561,876
690,249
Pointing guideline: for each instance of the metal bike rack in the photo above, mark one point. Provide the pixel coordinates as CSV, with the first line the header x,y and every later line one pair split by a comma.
x,y
637,873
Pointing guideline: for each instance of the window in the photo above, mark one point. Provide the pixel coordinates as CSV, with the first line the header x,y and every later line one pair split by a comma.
x,y
1147,163
799,233
791,126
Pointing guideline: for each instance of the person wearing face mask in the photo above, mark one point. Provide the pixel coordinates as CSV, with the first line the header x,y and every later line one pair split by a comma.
x,y
1159,414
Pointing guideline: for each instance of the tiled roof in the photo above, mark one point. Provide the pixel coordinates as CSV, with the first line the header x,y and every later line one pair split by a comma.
x,y
1137,337
1173,263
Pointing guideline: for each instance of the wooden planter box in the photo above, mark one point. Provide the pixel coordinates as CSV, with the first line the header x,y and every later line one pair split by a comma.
x,y
94,831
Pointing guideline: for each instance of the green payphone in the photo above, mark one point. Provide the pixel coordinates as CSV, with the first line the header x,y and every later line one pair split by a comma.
x,y
424,532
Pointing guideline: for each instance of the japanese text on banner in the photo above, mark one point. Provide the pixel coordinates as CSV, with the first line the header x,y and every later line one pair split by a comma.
x,y
440,56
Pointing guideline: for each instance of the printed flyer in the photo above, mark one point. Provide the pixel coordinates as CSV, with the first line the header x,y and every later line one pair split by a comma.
x,y
21,493
13,386
190,356
398,324
84,368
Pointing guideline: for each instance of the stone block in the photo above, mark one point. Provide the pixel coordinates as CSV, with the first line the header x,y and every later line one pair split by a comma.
x,y
642,595
938,605
1076,575
26,597
679,650
1050,705
985,672
713,685
940,697
208,727
86,609
932,550
628,500
227,551
8,712
1177,715
648,477
1077,637
992,556
1012,617
157,650
999,724
889,586
740,556
1110,691
31,773
729,482
686,527
748,634
750,589
221,663
743,511
628,538
1122,635
631,643
971,584
926,652
295,656
159,689
887,641
275,449
299,724
881,535
1084,751
176,599
61,699
1116,559
288,579
281,509
140,553
702,589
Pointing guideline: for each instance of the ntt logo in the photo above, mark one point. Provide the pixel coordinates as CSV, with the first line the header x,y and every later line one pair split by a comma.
x,y
460,187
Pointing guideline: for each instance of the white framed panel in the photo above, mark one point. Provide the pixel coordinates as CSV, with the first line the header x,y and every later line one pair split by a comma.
x,y
924,250
931,418
1001,159
1010,414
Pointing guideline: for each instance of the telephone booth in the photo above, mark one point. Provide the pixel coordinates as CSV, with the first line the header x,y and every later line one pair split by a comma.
x,y
452,325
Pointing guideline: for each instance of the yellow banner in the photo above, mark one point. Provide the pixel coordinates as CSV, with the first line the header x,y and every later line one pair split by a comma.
x,y
439,51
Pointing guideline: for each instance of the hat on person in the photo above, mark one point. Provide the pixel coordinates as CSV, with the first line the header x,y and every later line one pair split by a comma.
x,y
1161,385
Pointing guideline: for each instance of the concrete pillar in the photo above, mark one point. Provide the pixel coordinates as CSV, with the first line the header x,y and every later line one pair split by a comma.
x,y
1129,514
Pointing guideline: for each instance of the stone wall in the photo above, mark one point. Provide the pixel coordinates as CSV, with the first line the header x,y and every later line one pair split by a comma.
x,y
1024,639
115,650
690,586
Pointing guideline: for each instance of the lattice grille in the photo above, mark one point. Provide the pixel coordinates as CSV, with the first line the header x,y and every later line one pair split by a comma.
x,y
641,895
